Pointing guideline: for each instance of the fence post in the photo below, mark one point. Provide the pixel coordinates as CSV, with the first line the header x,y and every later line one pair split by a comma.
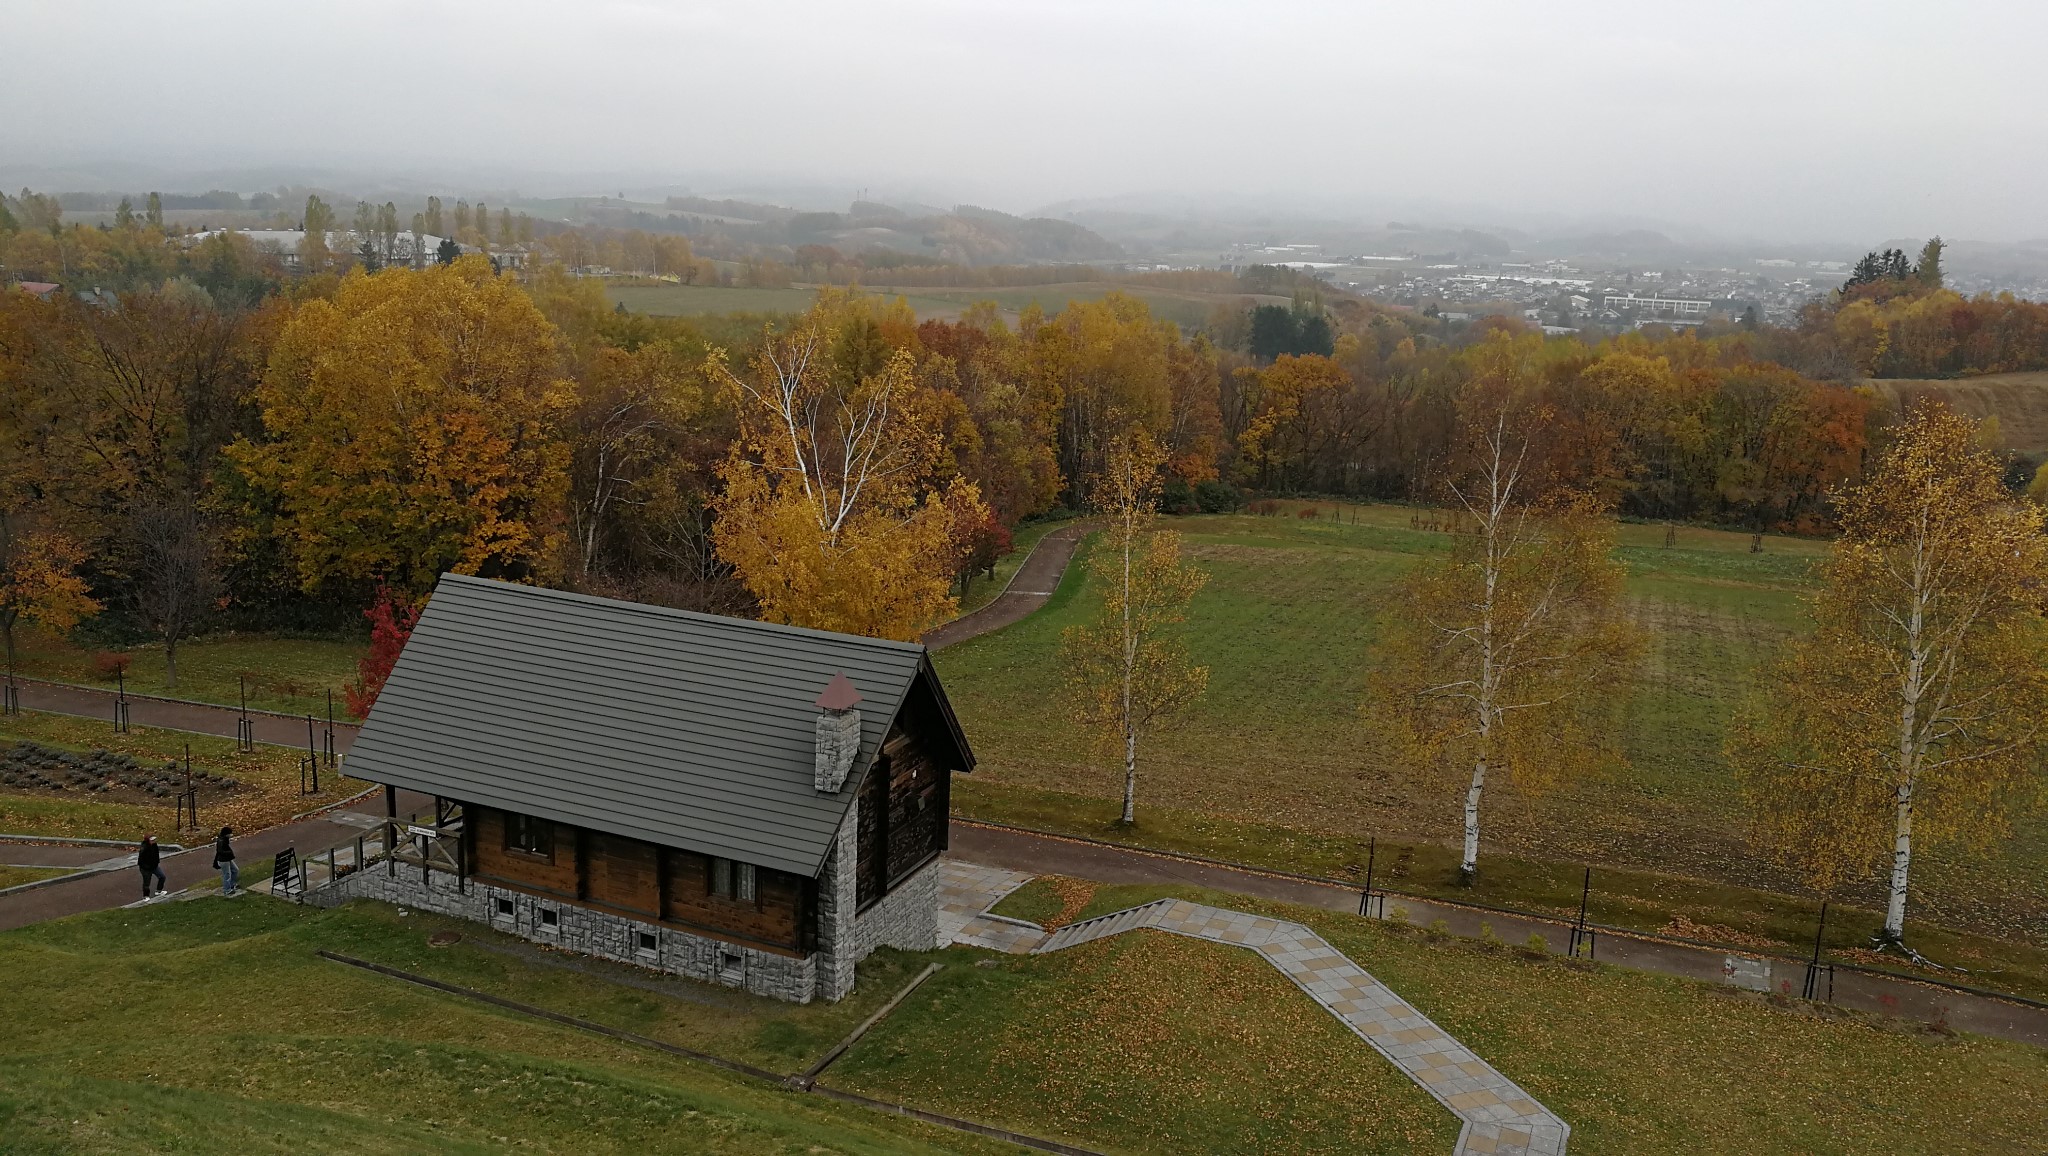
x,y
245,730
328,741
1580,936
1813,965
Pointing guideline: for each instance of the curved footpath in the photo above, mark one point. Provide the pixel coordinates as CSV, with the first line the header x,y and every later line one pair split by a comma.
x,y
1017,850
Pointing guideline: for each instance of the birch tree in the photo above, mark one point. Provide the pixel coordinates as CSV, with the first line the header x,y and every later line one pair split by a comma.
x,y
626,402
1916,708
833,514
1509,654
1129,669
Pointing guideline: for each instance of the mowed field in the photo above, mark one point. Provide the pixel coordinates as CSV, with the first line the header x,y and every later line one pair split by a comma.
x,y
1281,743
2018,400
1183,308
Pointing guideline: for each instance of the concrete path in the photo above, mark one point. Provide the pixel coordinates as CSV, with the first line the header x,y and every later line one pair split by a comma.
x,y
1497,1115
100,891
1029,587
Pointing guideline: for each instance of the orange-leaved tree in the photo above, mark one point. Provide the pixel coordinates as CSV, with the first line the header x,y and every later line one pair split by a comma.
x,y
1129,668
1918,707
411,429
834,515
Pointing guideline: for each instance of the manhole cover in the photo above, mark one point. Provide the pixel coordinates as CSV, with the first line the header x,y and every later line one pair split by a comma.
x,y
443,938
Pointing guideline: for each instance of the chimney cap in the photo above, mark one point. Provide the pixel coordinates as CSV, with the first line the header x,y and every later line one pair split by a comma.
x,y
839,694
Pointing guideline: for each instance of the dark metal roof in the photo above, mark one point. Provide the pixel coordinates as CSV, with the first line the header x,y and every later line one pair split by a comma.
x,y
685,730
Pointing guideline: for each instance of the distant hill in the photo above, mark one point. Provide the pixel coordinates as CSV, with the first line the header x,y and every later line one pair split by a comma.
x,y
966,235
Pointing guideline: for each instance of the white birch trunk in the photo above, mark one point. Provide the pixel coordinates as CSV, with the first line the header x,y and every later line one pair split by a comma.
x,y
1902,862
1130,673
1470,866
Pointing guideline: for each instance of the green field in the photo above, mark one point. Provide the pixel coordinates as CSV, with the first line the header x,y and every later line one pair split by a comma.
x,y
212,1025
291,675
1278,763
11,876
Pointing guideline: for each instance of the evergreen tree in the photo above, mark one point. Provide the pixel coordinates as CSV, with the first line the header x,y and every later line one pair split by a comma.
x,y
448,251
1929,270
154,213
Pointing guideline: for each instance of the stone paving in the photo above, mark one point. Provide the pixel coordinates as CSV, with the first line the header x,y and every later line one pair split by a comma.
x,y
1499,1117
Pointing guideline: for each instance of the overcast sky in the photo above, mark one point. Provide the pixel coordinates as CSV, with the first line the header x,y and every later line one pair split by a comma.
x,y
1789,119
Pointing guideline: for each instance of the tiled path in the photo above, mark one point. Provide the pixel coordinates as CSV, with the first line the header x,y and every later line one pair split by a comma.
x,y
1498,1116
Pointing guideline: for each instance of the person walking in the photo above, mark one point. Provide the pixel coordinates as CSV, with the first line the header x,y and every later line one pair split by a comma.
x,y
224,858
146,858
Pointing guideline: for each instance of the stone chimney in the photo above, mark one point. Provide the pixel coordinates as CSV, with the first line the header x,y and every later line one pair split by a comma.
x,y
838,733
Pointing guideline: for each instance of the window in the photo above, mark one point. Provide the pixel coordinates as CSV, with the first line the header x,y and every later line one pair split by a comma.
x,y
732,880
550,919
505,907
648,942
732,964
529,835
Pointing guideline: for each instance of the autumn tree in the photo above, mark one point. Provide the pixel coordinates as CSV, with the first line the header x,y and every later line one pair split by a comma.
x,y
1507,654
313,249
175,577
1917,706
39,582
626,402
833,515
392,617
1129,669
412,427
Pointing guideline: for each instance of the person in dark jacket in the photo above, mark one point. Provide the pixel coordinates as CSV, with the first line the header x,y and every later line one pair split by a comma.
x,y
224,858
146,857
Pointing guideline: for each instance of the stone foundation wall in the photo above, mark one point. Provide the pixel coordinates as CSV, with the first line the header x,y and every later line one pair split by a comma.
x,y
906,918
598,933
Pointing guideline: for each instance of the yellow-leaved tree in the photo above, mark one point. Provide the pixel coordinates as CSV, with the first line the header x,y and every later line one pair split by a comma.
x,y
1128,669
411,427
1917,706
834,515
1510,653
39,581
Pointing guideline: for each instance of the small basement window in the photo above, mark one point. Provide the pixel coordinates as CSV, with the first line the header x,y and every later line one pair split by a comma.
x,y
648,942
550,919
505,907
732,963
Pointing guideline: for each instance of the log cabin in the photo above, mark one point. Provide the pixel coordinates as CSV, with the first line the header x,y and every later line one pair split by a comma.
x,y
740,802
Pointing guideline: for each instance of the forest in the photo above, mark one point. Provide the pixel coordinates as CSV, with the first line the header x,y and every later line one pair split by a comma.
x,y
213,439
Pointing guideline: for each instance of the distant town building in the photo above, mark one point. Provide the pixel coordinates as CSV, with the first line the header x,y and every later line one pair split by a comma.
x,y
1656,306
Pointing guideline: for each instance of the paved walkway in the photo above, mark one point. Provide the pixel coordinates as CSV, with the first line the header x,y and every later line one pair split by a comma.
x,y
1028,590
1498,1116
179,715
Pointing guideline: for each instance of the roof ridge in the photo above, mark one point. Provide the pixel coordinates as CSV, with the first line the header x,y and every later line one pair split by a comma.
x,y
672,612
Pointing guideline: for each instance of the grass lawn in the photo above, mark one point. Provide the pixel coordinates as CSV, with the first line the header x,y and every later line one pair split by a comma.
x,y
269,776
11,876
292,675
986,589
1277,764
1636,1063
713,300
211,1026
